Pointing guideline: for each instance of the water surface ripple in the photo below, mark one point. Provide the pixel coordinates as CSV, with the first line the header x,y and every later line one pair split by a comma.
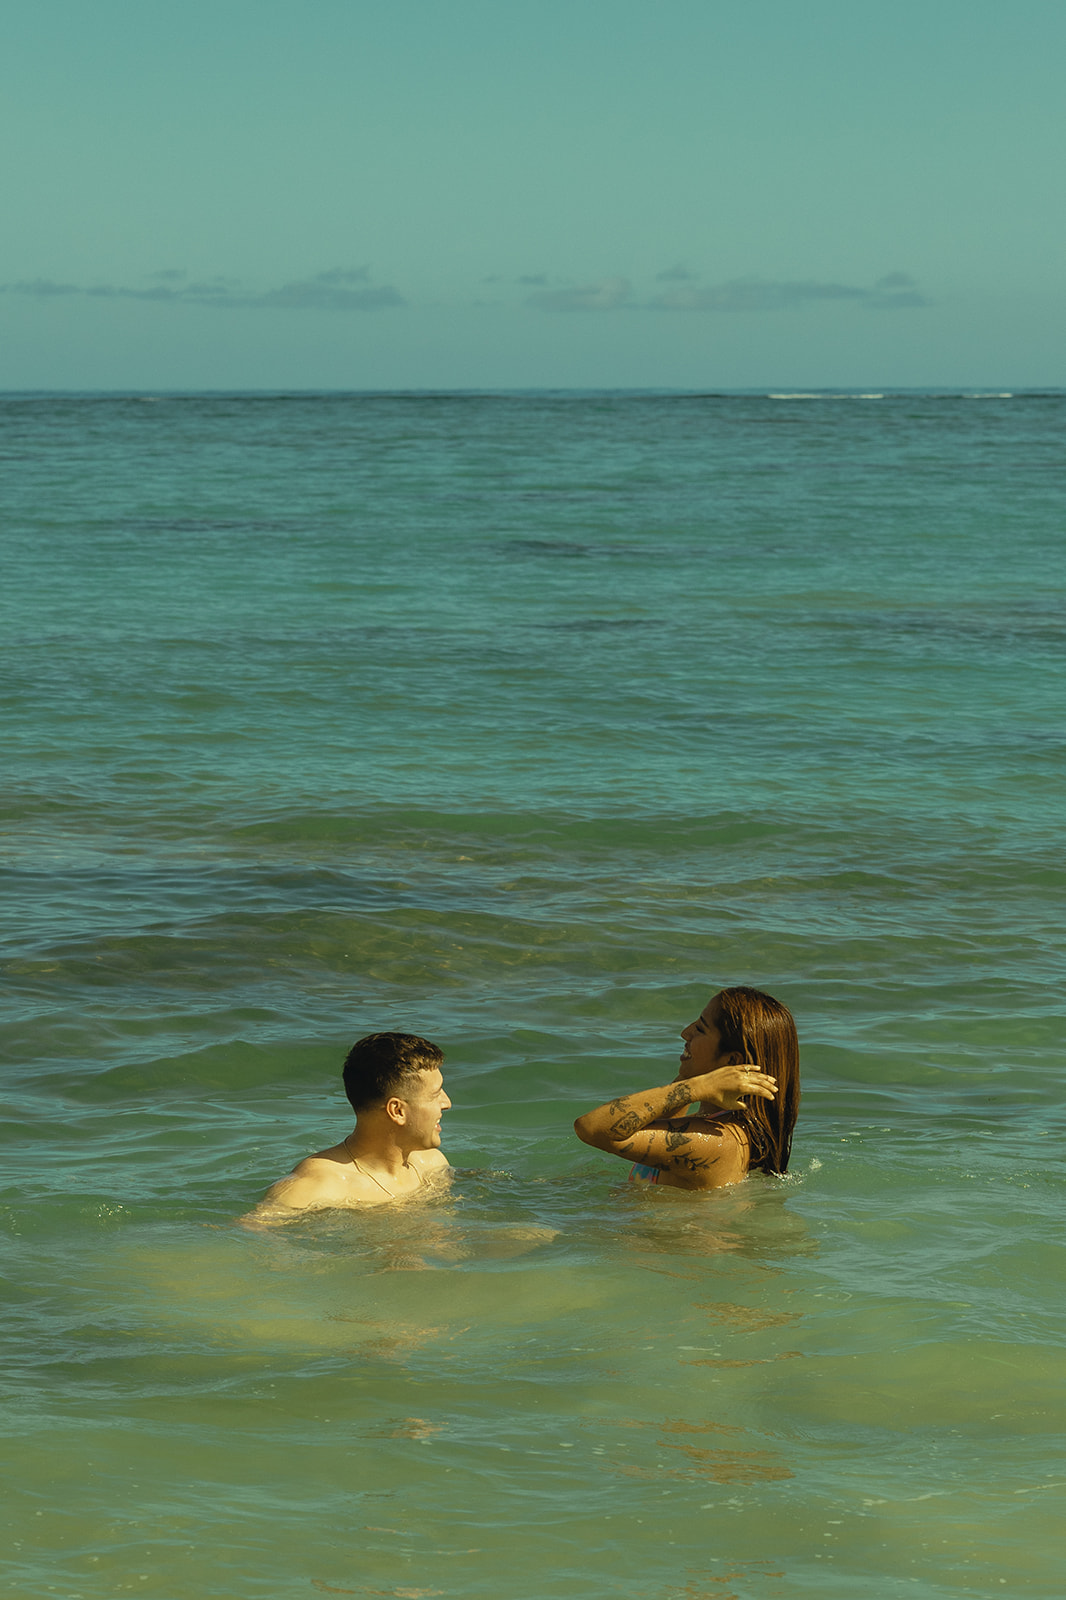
x,y
524,721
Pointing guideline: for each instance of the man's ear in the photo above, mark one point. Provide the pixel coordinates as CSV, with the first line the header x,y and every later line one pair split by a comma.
x,y
396,1109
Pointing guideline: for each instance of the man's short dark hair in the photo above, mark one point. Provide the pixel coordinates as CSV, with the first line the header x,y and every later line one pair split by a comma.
x,y
385,1064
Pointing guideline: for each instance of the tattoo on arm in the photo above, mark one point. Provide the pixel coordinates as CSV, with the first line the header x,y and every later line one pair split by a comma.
x,y
626,1125
691,1163
628,1120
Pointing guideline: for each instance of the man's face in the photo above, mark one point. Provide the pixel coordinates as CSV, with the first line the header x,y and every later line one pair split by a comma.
x,y
424,1106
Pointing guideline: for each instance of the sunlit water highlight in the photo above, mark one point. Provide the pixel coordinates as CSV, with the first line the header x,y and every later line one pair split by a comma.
x,y
524,721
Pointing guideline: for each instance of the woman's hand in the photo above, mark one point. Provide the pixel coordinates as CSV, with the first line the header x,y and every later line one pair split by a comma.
x,y
726,1086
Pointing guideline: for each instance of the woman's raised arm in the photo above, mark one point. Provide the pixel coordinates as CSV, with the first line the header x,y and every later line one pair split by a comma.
x,y
641,1127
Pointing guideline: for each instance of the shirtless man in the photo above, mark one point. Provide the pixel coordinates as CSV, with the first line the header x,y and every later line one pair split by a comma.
x,y
396,1089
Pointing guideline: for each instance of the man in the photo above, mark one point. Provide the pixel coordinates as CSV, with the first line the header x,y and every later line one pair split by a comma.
x,y
395,1087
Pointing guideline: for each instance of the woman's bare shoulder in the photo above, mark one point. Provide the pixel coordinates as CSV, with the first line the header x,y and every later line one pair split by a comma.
x,y
694,1152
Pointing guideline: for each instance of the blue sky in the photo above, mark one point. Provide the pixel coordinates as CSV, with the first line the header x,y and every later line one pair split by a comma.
x,y
484,193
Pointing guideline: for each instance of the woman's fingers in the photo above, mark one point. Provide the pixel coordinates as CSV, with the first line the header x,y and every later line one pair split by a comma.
x,y
728,1084
752,1080
753,1077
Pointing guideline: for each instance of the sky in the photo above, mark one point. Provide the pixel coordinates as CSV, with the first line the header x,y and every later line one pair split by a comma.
x,y
457,194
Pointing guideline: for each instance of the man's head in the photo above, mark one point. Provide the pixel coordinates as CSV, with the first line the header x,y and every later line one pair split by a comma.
x,y
399,1076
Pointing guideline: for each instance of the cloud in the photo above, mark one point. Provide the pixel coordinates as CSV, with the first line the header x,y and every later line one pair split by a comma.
x,y
341,289
331,291
348,289
602,296
893,293
43,288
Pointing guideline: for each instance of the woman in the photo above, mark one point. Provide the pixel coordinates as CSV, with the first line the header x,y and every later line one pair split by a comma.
x,y
741,1048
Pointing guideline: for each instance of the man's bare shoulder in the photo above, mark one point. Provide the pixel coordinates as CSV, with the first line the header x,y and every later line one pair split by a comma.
x,y
325,1175
427,1161
316,1183
331,1179
323,1162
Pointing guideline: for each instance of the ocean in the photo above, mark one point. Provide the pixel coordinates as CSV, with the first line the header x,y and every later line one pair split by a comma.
x,y
525,722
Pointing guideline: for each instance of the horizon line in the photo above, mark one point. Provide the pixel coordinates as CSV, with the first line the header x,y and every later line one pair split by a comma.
x,y
781,392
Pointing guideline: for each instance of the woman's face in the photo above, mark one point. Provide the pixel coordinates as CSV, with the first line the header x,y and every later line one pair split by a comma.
x,y
703,1043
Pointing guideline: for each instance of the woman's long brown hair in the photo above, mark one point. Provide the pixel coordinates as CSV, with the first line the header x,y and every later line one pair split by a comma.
x,y
761,1029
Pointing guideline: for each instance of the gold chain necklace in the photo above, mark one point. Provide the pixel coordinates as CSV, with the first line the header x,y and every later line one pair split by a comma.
x,y
366,1174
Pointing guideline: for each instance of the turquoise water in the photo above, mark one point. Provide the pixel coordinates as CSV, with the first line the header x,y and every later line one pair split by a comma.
x,y
525,722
